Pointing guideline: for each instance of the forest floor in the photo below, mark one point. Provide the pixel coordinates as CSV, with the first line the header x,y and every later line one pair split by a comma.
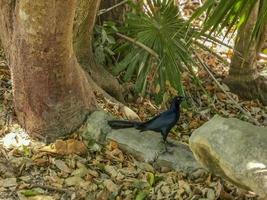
x,y
31,170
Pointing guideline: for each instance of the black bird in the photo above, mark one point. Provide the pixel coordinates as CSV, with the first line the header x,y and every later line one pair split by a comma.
x,y
162,123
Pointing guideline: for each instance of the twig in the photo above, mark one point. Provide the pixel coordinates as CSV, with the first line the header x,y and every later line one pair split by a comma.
x,y
47,187
101,12
149,50
212,52
247,113
3,152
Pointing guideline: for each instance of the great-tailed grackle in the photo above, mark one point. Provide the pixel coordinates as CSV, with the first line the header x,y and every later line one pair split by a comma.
x,y
162,123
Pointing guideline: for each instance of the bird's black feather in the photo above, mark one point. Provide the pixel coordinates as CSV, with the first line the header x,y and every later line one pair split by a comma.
x,y
162,123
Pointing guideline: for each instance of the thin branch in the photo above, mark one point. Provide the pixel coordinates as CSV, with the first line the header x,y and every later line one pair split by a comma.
x,y
101,12
51,188
134,41
212,52
247,113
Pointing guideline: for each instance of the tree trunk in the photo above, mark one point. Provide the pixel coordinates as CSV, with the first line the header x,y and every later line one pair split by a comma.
x,y
52,95
244,78
82,40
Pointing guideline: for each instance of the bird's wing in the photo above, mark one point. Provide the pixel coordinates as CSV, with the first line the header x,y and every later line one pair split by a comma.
x,y
161,121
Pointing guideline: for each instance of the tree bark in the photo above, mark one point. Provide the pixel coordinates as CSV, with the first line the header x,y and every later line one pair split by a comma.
x,y
52,95
82,39
244,78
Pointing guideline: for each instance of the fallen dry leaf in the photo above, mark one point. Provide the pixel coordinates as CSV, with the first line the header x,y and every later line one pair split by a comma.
x,y
112,145
70,146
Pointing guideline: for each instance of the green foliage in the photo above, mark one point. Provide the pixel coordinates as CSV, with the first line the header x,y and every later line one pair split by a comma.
x,y
104,42
231,15
150,177
158,45
142,195
31,192
160,28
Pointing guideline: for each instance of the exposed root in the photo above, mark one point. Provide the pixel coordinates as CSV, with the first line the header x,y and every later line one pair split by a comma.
x,y
249,89
126,111
104,79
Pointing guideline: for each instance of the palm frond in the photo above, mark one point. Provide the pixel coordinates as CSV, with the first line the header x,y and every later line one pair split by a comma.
x,y
160,28
231,15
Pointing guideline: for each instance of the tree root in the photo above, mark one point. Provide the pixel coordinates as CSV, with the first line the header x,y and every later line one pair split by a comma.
x,y
249,89
127,112
104,79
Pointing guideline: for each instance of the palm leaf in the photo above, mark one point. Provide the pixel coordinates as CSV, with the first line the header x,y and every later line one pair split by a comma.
x,y
231,15
163,30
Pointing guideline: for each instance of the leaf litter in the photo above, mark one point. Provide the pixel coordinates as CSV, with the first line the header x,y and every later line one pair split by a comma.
x,y
68,169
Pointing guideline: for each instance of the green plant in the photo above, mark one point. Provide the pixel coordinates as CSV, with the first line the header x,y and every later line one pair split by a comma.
x,y
160,28
104,42
160,45
231,15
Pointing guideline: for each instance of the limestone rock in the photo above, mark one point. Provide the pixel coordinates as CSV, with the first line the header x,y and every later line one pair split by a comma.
x,y
234,149
146,146
97,126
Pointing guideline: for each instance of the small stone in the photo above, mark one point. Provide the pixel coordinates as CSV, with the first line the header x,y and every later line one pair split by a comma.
x,y
199,173
96,126
165,169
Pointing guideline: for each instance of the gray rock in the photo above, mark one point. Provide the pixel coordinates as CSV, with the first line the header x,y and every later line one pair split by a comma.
x,y
181,159
97,127
146,146
234,149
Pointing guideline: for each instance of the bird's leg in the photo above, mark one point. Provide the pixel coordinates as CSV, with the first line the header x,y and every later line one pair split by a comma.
x,y
170,143
164,137
166,150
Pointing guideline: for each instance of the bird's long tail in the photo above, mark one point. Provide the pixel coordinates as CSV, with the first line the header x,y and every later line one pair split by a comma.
x,y
118,124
